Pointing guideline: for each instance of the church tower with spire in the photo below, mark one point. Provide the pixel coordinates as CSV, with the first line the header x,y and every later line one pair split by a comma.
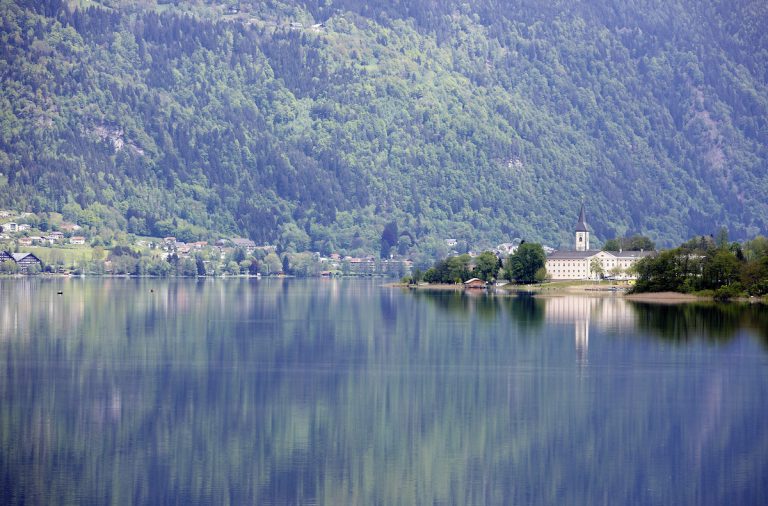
x,y
582,232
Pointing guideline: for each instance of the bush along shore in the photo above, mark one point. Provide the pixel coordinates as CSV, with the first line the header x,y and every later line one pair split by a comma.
x,y
707,267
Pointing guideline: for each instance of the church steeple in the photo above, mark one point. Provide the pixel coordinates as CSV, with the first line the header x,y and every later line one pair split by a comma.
x,y
582,232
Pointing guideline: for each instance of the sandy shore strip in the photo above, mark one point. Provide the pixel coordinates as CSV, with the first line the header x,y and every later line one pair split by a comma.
x,y
584,290
434,287
665,297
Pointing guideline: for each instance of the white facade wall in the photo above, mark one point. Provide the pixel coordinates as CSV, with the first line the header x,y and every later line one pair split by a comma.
x,y
568,269
561,267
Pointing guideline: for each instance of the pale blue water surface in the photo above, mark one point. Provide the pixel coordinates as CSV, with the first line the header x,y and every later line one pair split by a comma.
x,y
346,392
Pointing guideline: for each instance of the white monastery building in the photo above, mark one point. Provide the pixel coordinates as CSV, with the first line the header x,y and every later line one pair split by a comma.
x,y
577,264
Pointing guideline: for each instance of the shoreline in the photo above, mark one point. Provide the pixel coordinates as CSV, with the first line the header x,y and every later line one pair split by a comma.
x,y
584,290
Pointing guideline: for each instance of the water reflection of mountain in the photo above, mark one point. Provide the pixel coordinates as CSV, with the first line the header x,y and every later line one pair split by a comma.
x,y
342,392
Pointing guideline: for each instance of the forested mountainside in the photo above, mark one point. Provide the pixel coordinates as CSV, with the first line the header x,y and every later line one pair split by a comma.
x,y
314,123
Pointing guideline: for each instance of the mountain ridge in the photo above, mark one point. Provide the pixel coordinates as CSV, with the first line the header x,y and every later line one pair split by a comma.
x,y
471,120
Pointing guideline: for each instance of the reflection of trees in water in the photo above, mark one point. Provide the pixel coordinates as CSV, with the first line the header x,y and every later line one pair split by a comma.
x,y
711,321
526,310
448,300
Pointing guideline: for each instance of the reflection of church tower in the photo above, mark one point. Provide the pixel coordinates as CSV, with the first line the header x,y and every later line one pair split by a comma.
x,y
582,232
581,334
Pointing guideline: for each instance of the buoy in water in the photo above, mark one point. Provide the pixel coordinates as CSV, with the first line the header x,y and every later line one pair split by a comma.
x,y
59,293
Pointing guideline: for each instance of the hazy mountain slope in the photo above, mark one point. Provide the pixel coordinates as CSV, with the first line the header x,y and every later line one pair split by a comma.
x,y
481,121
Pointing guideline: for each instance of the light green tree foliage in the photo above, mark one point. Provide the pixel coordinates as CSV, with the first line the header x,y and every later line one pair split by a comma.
x,y
596,268
304,264
756,248
98,253
124,264
272,264
293,239
428,250
541,275
9,267
721,240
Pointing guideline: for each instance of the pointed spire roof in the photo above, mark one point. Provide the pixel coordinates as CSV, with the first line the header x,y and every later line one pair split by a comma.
x,y
581,225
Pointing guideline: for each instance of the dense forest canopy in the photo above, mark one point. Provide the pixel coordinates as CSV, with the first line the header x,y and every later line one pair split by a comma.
x,y
313,124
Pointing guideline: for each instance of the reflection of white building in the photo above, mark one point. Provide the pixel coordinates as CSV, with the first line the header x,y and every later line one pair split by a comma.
x,y
583,311
603,311
578,264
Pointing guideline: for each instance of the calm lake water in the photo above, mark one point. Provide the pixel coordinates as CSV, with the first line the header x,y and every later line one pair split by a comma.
x,y
344,392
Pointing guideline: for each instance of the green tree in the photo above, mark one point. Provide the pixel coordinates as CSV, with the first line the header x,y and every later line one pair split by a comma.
x,y
404,243
389,239
304,265
187,267
486,266
245,266
720,268
757,248
596,268
200,265
450,270
524,262
272,263
293,238
638,243
9,267
238,255
457,269
674,270
432,276
616,271
633,243
754,276
721,240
